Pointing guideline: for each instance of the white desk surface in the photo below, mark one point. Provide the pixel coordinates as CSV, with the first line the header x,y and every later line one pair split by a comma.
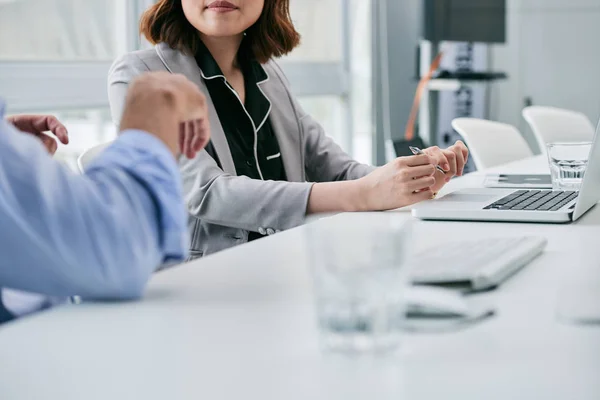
x,y
240,325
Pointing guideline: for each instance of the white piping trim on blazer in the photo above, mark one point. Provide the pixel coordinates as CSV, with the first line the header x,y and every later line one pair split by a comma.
x,y
274,156
242,103
244,108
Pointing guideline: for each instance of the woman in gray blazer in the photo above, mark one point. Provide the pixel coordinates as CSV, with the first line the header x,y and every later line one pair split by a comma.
x,y
268,164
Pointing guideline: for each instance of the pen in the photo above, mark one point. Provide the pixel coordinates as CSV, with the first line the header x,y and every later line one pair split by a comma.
x,y
418,152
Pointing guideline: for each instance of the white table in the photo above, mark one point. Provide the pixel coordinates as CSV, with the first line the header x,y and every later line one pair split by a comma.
x,y
240,325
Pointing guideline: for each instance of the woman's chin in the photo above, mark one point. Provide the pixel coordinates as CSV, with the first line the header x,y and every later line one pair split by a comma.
x,y
222,31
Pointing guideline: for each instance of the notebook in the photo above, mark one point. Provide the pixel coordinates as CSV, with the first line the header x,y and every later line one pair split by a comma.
x,y
518,181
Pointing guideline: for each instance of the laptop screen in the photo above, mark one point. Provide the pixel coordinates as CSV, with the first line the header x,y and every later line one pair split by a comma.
x,y
589,194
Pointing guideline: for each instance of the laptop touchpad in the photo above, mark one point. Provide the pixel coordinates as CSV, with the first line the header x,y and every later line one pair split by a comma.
x,y
469,198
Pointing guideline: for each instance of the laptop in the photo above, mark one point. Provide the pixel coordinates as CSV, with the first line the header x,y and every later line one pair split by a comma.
x,y
524,205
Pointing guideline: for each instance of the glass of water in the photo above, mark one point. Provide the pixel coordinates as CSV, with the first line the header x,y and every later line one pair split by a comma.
x,y
568,162
360,268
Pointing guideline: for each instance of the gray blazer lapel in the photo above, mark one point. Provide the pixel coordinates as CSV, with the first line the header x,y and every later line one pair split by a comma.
x,y
285,125
180,63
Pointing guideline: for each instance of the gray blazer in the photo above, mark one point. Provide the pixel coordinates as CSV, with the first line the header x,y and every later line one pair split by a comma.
x,y
225,207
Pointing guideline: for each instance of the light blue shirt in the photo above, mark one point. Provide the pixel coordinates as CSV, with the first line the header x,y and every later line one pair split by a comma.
x,y
100,235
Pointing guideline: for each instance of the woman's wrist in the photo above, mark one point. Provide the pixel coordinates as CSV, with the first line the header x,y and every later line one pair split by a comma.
x,y
358,195
343,196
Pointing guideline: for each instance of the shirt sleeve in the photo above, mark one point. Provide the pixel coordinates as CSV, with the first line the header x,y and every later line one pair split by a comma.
x,y
98,235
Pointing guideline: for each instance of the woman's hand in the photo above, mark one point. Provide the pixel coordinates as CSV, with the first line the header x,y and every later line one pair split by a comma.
x,y
402,182
452,160
37,125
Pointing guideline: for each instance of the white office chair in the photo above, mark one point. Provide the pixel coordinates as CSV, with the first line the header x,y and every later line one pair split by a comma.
x,y
491,143
89,155
550,124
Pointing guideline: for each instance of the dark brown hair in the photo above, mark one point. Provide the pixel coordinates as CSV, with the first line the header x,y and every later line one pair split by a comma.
x,y
273,35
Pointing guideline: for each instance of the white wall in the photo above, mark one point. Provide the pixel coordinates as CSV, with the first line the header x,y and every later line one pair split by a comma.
x,y
552,56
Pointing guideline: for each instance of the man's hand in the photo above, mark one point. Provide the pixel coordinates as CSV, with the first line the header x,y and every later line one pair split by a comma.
x,y
37,125
170,107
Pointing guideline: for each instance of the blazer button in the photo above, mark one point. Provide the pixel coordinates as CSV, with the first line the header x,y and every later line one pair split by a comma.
x,y
249,163
262,231
270,231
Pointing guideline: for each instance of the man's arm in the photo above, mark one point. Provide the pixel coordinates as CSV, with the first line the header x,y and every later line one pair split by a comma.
x,y
100,235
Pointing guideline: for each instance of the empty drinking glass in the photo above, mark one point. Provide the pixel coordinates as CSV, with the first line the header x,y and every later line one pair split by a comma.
x,y
360,267
568,162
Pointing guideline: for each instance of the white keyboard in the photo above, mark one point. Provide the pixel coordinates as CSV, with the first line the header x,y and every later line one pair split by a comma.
x,y
481,264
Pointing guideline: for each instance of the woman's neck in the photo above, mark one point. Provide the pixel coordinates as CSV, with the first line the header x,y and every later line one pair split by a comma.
x,y
224,50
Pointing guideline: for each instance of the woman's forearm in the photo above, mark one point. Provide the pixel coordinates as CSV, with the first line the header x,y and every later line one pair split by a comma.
x,y
345,196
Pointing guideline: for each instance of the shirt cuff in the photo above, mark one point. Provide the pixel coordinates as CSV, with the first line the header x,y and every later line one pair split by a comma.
x,y
145,142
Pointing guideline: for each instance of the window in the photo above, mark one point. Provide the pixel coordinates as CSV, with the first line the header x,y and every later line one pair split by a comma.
x,y
87,128
320,22
329,111
331,70
67,47
360,76
62,29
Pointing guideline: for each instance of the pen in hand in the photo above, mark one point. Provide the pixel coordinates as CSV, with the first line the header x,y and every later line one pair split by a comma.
x,y
417,151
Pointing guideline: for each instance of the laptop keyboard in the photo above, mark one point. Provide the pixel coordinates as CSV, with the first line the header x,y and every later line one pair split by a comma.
x,y
534,200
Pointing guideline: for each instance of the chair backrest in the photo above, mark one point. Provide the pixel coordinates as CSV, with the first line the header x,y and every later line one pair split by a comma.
x,y
89,155
491,143
550,124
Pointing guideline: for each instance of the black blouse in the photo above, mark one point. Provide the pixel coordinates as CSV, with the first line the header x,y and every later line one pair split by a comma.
x,y
252,142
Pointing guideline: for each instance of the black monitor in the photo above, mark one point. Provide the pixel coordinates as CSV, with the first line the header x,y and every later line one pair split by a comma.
x,y
465,20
